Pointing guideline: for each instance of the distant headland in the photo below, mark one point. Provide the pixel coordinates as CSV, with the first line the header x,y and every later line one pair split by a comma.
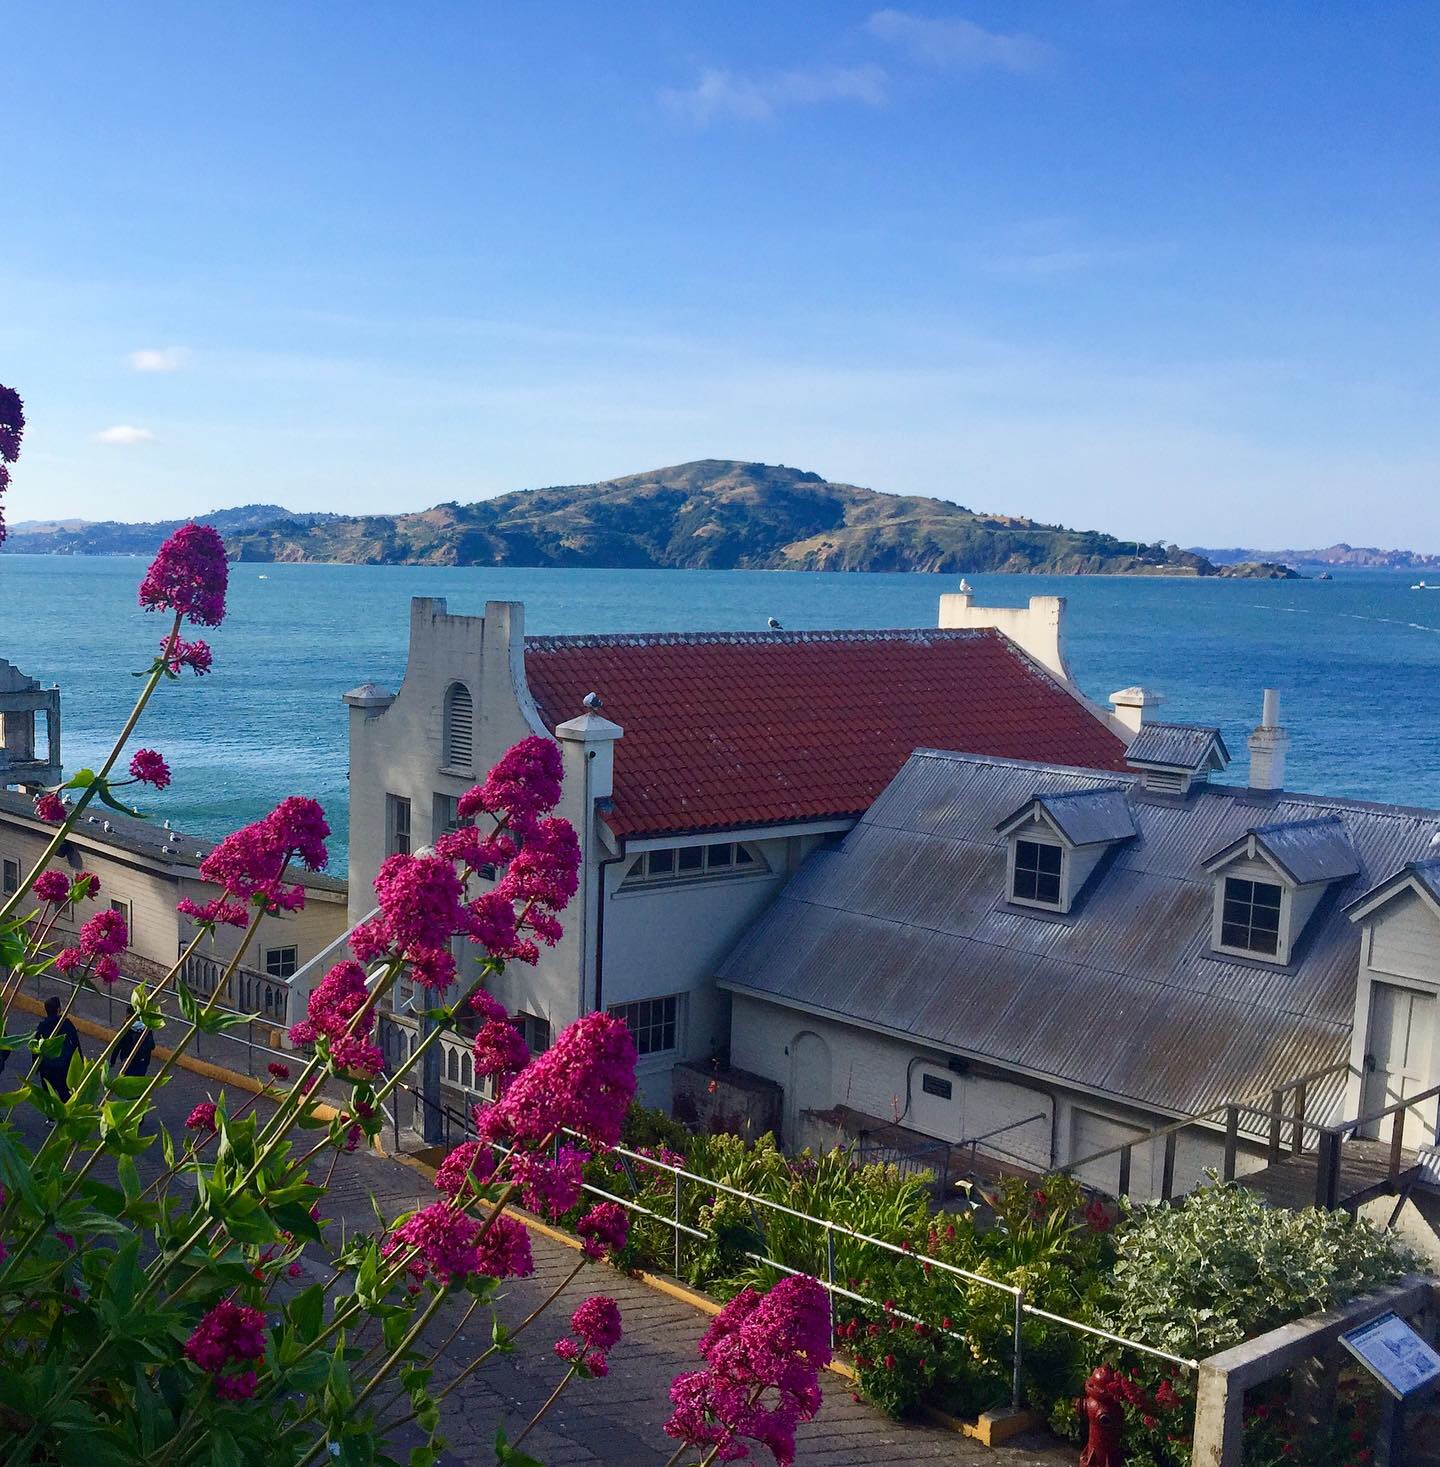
x,y
716,514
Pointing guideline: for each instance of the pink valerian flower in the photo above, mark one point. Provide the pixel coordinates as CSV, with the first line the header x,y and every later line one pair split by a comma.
x,y
333,1004
447,1245
584,1082
87,886
278,1071
107,970
189,575
178,653
605,1229
422,902
491,923
549,1184
104,934
50,808
71,960
595,1330
433,969
229,1335
251,861
500,1049
217,912
524,784
202,1118
466,845
352,1055
484,1002
545,872
369,941
52,886
465,1169
764,1353
149,767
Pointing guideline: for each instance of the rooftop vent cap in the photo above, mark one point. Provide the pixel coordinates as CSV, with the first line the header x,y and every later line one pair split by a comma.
x,y
1135,706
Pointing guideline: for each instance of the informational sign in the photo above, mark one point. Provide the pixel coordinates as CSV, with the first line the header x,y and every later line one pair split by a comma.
x,y
1395,1355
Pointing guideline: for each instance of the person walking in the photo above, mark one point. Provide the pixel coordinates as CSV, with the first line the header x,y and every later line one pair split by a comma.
x,y
131,1055
53,1069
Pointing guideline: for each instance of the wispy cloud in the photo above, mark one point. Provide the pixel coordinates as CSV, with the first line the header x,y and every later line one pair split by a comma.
x,y
721,93
159,358
124,435
958,45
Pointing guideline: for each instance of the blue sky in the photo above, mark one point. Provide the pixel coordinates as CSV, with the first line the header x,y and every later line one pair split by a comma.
x,y
1164,269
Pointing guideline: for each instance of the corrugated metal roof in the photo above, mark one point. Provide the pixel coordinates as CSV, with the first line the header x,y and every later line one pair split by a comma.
x,y
1083,817
1178,746
904,927
1427,873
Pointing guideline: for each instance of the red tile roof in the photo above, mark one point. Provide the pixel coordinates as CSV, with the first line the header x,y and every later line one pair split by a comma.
x,y
734,729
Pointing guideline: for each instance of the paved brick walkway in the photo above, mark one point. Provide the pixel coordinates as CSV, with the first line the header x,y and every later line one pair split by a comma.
x,y
615,1421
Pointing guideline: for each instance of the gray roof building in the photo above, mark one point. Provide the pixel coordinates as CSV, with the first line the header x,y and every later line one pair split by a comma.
x,y
1136,991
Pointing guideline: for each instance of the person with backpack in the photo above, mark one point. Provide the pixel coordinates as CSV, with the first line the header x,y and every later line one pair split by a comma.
x,y
53,1069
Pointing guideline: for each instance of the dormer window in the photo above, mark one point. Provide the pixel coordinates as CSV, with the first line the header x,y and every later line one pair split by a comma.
x,y
1250,916
1058,840
1271,881
1037,873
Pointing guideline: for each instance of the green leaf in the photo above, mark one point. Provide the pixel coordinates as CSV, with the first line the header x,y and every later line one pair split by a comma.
x,y
307,1312
217,1021
224,1449
512,1456
500,1337
82,779
12,949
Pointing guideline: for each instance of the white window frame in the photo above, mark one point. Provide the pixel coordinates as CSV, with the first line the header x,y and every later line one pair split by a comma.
x,y
1280,958
1032,837
640,1014
641,874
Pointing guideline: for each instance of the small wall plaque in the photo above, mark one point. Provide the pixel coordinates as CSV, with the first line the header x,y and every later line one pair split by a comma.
x,y
1395,1355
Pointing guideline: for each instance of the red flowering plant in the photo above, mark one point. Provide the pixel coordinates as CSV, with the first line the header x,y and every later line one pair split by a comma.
x,y
152,1281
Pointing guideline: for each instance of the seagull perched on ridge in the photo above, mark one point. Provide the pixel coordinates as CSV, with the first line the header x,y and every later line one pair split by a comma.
x,y
592,702
773,624
964,586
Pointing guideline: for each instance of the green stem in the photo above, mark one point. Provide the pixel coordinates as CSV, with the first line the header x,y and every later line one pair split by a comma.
x,y
540,1414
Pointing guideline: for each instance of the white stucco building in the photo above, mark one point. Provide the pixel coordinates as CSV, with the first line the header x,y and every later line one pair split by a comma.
x,y
715,764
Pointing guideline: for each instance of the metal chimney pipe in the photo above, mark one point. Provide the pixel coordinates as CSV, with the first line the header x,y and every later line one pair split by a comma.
x,y
1268,745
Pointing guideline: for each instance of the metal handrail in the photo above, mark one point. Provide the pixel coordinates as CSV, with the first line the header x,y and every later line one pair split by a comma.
x,y
830,1230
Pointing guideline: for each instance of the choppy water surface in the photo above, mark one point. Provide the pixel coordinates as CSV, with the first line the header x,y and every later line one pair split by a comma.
x,y
1357,659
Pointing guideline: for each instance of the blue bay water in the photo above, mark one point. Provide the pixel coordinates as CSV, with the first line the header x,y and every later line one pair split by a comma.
x,y
1357,659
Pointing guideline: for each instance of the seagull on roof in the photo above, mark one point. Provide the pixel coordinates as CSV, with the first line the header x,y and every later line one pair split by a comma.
x,y
593,702
773,624
964,586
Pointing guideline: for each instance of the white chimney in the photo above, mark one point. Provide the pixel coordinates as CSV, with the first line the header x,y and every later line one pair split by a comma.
x,y
1267,747
1135,706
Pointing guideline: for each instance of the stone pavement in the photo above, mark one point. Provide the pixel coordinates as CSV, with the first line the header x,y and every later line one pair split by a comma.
x,y
615,1421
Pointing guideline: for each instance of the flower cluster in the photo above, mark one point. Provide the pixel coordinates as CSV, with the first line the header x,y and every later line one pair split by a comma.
x,y
58,887
764,1353
230,1334
549,1184
202,1118
524,785
449,1245
595,1330
250,862
101,937
189,576
584,1082
176,653
605,1229
336,1013
149,767
468,1166
50,808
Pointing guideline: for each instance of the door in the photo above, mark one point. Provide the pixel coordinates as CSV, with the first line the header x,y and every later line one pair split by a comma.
x,y
1397,1060
1090,1133
809,1087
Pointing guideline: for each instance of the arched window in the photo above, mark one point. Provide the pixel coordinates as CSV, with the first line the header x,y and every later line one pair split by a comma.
x,y
459,727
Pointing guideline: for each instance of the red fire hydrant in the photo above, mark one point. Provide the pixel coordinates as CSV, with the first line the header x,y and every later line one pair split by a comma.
x,y
1105,1416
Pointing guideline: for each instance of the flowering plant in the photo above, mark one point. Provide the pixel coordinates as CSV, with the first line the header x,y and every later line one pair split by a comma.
x,y
152,1303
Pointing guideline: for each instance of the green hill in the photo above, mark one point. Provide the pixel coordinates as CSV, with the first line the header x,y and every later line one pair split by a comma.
x,y
713,514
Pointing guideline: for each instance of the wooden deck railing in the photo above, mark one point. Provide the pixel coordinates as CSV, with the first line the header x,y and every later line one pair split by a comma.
x,y
1333,1138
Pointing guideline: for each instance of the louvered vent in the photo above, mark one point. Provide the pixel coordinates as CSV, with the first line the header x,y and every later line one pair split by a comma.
x,y
459,727
1165,781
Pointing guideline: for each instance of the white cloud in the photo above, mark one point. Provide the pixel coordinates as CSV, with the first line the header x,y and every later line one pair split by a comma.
x,y
722,93
958,45
123,435
159,358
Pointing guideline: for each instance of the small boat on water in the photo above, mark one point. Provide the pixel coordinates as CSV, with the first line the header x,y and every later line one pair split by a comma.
x,y
1324,576
1424,586
262,577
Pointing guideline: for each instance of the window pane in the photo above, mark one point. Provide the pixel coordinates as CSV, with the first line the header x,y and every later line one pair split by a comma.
x,y
719,856
743,857
662,863
1265,895
1049,859
1024,884
1047,887
690,858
